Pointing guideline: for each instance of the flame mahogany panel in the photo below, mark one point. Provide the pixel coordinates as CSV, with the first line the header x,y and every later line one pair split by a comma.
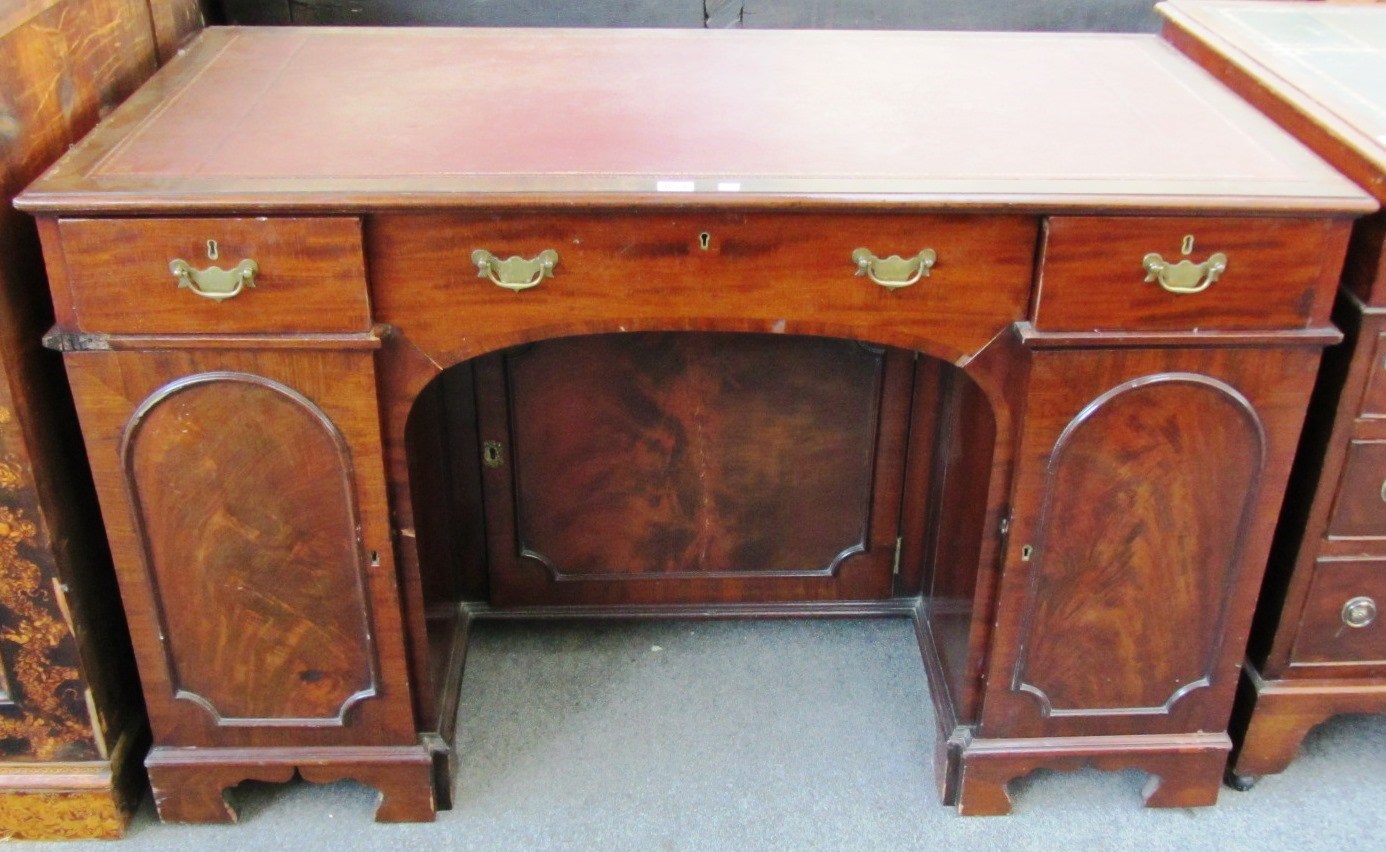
x,y
637,460
244,494
1148,485
1121,614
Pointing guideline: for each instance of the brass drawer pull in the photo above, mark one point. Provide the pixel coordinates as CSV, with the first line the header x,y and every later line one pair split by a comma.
x,y
1185,276
214,282
1359,612
515,273
895,271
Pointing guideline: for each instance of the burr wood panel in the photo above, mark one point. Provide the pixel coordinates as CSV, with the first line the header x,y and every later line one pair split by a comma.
x,y
239,483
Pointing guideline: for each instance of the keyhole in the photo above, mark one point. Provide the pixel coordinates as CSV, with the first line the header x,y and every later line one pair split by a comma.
x,y
1187,247
213,250
491,454
704,240
1026,552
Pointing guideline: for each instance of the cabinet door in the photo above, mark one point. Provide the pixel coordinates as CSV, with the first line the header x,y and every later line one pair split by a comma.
x,y
244,496
692,467
1147,487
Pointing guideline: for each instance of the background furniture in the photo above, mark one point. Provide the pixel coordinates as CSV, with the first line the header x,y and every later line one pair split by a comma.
x,y
337,373
1319,647
72,730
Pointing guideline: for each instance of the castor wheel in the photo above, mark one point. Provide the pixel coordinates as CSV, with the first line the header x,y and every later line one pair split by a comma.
x,y
1240,783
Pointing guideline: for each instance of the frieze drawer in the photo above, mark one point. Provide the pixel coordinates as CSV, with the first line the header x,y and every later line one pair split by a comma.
x,y
216,276
967,276
1185,274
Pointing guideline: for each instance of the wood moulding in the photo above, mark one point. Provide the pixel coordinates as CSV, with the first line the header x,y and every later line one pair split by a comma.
x,y
190,783
1186,769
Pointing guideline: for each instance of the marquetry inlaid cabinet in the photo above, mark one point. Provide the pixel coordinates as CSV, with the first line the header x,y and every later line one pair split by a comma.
x,y
374,333
72,731
1319,645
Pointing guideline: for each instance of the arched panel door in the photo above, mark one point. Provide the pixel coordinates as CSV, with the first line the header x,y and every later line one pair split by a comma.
x,y
1144,517
244,493
1147,486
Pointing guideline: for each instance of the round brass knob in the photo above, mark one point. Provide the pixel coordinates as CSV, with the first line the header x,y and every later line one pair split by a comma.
x,y
1359,612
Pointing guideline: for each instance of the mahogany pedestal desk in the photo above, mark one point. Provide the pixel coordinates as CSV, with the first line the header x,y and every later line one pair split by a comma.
x,y
373,333
1319,646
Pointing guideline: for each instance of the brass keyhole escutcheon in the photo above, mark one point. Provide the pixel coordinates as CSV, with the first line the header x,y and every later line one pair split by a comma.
x,y
491,454
1027,552
1187,246
704,240
213,250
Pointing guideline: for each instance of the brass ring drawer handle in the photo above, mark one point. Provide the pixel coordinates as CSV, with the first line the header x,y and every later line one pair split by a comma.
x,y
515,273
1359,612
1185,276
895,271
214,282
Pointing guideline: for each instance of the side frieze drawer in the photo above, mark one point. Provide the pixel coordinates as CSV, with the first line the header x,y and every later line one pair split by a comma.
x,y
1183,273
216,275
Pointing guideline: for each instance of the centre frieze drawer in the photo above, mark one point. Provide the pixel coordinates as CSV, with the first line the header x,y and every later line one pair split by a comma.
x,y
216,275
802,273
1102,273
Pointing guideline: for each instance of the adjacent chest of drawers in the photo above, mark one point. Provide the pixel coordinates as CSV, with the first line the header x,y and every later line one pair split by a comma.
x,y
377,333
1319,647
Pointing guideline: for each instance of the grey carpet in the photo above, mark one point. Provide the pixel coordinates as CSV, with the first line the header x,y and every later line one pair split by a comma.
x,y
762,735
